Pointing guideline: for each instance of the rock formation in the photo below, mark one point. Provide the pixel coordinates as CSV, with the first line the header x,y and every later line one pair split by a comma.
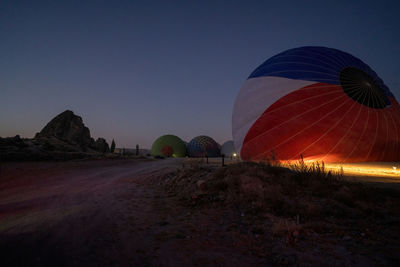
x,y
64,137
67,127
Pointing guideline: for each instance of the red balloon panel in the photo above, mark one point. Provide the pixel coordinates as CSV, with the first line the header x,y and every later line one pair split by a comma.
x,y
321,122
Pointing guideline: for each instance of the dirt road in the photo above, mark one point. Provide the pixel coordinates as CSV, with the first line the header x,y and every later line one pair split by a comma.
x,y
105,213
78,213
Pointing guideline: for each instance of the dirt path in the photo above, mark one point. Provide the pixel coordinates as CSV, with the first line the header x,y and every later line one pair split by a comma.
x,y
77,212
105,213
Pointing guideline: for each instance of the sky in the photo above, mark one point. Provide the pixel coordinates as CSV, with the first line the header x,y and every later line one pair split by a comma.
x,y
135,70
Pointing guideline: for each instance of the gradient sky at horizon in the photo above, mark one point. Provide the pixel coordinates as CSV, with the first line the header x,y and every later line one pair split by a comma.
x,y
137,70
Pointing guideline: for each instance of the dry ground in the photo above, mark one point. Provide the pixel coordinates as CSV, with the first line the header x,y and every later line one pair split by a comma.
x,y
180,213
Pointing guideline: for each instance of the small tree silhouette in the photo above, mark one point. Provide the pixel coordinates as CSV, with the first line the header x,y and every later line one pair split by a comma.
x,y
112,146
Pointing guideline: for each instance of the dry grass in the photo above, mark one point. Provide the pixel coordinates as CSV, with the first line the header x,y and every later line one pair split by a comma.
x,y
295,203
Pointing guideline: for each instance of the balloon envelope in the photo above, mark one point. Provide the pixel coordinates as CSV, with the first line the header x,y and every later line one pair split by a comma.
x,y
228,149
317,103
202,146
167,146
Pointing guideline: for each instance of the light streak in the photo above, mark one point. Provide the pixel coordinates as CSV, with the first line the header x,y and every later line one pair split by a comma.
x,y
385,169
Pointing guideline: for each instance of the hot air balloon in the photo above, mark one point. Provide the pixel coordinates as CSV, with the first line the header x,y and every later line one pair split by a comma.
x,y
316,103
202,146
168,146
228,149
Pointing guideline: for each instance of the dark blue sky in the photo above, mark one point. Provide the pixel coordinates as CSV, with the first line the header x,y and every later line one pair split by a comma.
x,y
137,70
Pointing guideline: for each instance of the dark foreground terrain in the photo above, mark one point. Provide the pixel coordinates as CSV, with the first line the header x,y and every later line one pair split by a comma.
x,y
175,213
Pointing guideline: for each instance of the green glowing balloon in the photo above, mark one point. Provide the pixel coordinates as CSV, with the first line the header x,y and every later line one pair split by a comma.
x,y
169,146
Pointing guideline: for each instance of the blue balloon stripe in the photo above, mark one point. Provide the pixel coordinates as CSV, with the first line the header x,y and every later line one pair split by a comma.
x,y
300,58
312,63
284,64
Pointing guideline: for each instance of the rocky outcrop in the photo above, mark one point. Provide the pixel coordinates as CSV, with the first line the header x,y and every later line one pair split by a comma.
x,y
64,137
67,127
73,134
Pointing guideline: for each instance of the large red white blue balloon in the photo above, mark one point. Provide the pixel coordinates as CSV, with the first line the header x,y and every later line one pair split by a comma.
x,y
317,103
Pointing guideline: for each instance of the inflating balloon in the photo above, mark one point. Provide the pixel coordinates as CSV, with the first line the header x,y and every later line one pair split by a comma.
x,y
228,149
316,103
168,146
203,146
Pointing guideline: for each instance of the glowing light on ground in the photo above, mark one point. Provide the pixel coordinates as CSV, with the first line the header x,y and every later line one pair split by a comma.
x,y
376,169
386,169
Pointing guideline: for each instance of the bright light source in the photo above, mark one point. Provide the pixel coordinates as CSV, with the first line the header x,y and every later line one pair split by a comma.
x,y
234,154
